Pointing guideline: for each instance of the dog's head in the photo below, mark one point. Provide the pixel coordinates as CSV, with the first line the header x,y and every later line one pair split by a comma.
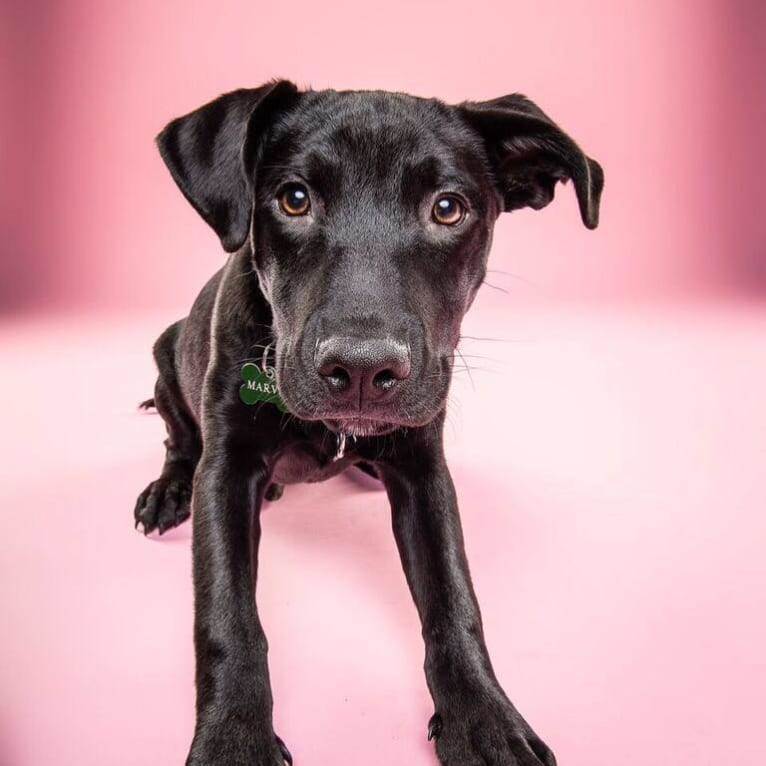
x,y
370,218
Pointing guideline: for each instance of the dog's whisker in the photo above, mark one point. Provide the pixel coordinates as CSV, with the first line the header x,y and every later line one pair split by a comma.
x,y
496,287
517,277
492,340
480,356
470,374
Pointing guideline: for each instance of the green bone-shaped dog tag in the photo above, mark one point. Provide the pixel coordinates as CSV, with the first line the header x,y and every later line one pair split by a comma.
x,y
260,386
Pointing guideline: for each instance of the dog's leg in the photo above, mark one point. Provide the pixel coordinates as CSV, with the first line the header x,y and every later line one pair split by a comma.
x,y
474,722
166,502
234,702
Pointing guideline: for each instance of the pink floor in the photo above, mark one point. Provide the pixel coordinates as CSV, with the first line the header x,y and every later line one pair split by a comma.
x,y
611,468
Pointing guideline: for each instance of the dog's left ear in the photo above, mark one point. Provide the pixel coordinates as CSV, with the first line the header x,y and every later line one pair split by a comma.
x,y
529,154
211,154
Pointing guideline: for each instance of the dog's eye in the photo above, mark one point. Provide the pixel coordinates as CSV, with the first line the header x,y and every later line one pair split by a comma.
x,y
448,210
294,200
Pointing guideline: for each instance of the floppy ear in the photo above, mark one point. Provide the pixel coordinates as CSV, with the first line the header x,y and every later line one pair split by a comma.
x,y
529,153
211,155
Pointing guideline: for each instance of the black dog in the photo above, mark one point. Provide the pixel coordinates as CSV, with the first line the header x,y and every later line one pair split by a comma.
x,y
359,225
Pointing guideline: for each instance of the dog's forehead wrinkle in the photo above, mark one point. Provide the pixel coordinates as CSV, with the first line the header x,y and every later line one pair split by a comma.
x,y
363,151
333,117
367,154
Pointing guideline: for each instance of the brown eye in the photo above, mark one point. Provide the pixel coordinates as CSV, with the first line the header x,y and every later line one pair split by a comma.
x,y
294,200
448,210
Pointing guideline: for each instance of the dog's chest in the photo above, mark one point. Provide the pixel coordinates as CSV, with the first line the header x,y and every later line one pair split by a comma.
x,y
307,462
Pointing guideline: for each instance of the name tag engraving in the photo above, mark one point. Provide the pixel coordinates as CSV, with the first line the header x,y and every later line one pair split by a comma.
x,y
260,385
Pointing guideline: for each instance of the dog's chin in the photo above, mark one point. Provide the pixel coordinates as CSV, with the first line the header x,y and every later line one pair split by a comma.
x,y
375,421
360,426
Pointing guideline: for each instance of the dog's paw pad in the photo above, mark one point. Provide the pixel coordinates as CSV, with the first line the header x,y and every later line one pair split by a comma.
x,y
164,504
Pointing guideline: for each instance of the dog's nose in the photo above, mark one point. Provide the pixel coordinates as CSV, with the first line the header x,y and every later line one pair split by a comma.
x,y
362,369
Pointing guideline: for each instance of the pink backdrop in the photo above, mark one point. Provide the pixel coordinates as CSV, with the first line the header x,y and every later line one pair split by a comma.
x,y
668,96
608,454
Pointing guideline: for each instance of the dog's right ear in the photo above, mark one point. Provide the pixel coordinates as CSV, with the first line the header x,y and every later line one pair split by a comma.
x,y
211,155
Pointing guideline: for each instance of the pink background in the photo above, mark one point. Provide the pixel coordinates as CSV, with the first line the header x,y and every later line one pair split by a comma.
x,y
668,96
608,449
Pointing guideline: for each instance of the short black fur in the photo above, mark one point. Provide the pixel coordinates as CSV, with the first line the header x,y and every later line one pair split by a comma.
x,y
358,304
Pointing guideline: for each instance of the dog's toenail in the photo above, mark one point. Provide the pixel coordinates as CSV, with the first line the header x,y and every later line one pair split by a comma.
x,y
434,727
285,752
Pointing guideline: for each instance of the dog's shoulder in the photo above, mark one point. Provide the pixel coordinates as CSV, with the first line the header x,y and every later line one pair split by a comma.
x,y
226,314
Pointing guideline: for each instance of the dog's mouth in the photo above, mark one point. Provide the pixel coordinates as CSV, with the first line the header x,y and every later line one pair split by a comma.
x,y
360,426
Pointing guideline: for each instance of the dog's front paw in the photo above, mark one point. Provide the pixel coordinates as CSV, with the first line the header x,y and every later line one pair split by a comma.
x,y
237,744
164,504
487,736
